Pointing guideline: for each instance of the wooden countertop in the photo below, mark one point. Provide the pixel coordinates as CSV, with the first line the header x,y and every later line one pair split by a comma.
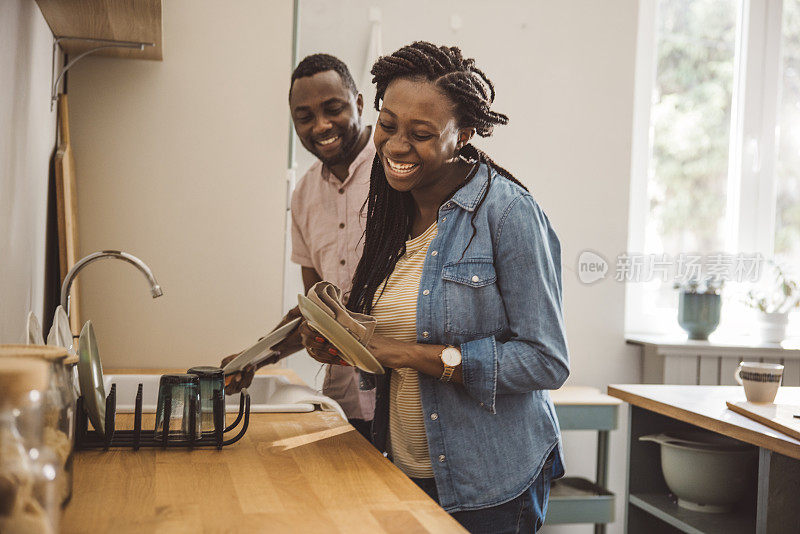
x,y
300,472
704,406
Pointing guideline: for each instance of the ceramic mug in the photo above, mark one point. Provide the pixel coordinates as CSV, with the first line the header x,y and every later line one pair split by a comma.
x,y
760,380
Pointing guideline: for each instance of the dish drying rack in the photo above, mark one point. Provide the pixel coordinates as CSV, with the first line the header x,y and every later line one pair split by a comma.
x,y
137,438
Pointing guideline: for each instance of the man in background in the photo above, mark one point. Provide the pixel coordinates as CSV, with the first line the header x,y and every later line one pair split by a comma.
x,y
327,225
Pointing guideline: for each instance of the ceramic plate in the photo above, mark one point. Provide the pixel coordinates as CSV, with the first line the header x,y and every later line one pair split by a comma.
x,y
90,374
256,353
60,334
33,333
350,349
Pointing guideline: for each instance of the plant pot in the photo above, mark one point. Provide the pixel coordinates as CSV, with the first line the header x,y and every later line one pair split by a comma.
x,y
698,313
772,326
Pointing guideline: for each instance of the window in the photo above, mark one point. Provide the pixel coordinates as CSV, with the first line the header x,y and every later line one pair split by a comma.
x,y
716,148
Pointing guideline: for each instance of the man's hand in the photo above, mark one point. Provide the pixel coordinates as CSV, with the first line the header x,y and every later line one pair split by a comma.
x,y
318,347
292,343
241,379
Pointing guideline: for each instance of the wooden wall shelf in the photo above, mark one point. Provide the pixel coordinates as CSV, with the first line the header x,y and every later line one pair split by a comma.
x,y
118,20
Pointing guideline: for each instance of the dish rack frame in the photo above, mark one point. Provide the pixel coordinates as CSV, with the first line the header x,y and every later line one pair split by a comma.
x,y
86,439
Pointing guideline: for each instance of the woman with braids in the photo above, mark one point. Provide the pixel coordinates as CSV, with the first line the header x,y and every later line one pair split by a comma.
x,y
462,270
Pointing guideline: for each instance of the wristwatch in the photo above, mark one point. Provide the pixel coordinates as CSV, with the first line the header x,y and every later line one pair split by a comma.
x,y
451,358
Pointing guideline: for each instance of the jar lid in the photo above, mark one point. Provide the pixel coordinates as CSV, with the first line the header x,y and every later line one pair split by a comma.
x,y
44,352
20,376
207,371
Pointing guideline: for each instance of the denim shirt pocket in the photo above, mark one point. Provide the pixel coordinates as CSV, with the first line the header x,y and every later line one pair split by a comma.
x,y
472,300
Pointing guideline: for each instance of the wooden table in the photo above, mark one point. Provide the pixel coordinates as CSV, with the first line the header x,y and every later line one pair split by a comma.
x,y
301,472
660,408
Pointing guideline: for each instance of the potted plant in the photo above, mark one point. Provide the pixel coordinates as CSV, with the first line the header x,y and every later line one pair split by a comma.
x,y
699,306
774,302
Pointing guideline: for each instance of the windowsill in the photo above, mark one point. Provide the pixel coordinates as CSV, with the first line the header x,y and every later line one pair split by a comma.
x,y
716,344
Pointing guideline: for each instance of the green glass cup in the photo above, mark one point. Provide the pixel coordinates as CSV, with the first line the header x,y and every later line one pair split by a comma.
x,y
212,379
179,405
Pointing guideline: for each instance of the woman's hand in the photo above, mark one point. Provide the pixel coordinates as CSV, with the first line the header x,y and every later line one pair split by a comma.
x,y
318,347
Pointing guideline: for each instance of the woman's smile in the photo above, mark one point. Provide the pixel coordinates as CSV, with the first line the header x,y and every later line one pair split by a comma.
x,y
399,169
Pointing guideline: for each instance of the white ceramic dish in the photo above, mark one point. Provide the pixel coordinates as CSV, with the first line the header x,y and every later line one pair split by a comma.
x,y
60,334
262,349
33,331
350,349
262,391
90,375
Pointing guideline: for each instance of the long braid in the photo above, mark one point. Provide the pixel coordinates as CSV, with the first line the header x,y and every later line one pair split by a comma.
x,y
390,212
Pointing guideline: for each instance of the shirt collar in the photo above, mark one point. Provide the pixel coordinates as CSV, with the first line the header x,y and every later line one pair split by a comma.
x,y
468,196
367,153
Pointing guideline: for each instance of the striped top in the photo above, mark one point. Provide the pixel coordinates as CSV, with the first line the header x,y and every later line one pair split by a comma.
x,y
396,312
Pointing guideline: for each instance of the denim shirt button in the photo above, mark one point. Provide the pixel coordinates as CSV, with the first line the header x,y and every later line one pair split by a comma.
x,y
426,292
441,458
426,334
475,278
435,253
434,416
444,219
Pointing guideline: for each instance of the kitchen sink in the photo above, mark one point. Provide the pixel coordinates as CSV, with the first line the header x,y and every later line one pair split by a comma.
x,y
263,394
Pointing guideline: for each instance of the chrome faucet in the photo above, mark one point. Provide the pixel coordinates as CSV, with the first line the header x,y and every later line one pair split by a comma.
x,y
155,289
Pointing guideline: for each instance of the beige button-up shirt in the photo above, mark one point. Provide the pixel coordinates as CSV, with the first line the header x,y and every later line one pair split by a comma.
x,y
327,229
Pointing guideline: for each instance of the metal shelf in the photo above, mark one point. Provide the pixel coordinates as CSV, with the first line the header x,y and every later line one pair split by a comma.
x,y
742,521
578,500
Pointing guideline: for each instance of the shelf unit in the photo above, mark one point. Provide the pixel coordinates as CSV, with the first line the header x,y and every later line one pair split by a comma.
x,y
770,506
121,20
578,500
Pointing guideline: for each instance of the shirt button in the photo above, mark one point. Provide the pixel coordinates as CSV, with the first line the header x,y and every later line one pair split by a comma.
x,y
434,416
483,404
444,219
426,292
341,225
441,458
474,277
435,253
341,191
342,262
425,334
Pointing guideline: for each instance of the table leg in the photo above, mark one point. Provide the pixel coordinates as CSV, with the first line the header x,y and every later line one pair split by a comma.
x,y
601,473
778,487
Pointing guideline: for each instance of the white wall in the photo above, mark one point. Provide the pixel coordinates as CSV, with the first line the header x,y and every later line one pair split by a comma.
x,y
27,140
564,73
182,163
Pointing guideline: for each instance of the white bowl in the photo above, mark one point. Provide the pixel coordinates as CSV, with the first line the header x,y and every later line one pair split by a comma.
x,y
707,472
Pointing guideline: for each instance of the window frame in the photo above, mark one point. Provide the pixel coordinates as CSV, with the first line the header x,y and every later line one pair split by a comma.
x,y
752,152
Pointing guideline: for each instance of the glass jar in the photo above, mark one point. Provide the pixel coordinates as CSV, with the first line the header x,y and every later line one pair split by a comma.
x,y
212,380
58,409
178,407
28,471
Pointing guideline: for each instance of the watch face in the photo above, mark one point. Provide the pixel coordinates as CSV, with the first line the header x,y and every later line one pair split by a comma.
x,y
451,356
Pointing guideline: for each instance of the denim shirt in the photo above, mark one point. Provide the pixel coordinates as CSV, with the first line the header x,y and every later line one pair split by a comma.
x,y
500,302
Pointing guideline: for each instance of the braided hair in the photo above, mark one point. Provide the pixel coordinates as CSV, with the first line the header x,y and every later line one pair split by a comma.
x,y
390,213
